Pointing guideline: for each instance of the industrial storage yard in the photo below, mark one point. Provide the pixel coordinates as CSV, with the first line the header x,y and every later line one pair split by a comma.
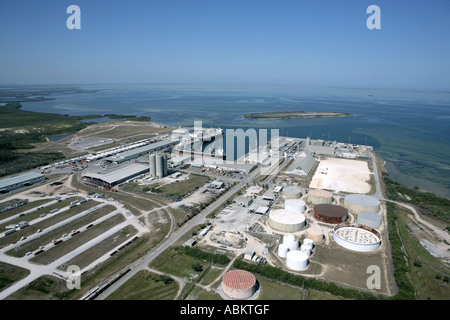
x,y
128,215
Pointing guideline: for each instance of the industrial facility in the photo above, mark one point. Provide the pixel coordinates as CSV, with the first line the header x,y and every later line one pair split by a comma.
x,y
360,202
19,181
320,196
239,284
315,234
137,152
361,239
330,213
158,165
369,219
110,179
292,193
286,220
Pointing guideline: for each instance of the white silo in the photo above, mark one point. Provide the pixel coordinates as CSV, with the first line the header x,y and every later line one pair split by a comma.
x,y
306,249
296,260
309,242
152,162
283,250
159,166
290,241
296,205
165,165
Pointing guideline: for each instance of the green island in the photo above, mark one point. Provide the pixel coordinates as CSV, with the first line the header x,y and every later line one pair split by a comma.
x,y
21,130
294,115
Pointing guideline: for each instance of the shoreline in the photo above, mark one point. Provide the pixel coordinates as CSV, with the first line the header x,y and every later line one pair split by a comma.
x,y
294,115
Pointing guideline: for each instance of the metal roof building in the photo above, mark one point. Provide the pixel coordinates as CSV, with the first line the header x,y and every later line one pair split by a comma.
x,y
15,182
134,153
115,177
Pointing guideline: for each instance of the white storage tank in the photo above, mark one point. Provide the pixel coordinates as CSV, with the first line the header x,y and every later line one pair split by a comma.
x,y
286,220
306,249
309,242
369,219
290,241
296,260
292,193
283,249
296,205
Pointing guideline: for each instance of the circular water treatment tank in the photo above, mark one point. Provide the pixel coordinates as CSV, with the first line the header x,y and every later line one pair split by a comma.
x,y
296,205
361,239
315,234
239,284
292,192
330,213
361,202
286,220
283,249
369,219
320,196
296,260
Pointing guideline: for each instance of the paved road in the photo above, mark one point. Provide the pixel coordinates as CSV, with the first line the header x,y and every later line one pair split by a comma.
x,y
169,241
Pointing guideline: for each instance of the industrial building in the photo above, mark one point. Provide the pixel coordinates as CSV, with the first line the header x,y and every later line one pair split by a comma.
x,y
320,196
243,201
239,284
19,181
361,202
369,219
330,213
110,179
320,147
134,153
361,239
303,164
286,220
158,165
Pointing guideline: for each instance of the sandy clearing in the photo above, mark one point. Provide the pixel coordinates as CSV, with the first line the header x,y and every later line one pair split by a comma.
x,y
342,175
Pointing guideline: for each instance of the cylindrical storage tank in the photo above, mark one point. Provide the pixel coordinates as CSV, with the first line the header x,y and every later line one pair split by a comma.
x,y
361,202
296,205
315,234
152,162
306,249
286,220
320,196
165,165
330,213
308,242
159,166
292,193
357,238
296,260
239,284
290,241
369,219
283,250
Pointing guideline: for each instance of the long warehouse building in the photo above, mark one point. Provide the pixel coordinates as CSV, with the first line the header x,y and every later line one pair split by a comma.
x,y
113,178
134,153
19,181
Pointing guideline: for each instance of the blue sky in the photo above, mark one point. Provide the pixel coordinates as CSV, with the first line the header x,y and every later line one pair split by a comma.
x,y
283,42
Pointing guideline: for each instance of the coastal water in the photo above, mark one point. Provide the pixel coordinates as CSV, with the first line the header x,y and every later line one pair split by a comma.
x,y
410,130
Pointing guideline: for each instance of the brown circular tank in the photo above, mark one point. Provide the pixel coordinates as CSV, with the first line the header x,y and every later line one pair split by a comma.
x,y
239,284
330,213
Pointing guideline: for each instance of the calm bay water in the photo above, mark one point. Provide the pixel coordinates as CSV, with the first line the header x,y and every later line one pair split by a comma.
x,y
410,130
